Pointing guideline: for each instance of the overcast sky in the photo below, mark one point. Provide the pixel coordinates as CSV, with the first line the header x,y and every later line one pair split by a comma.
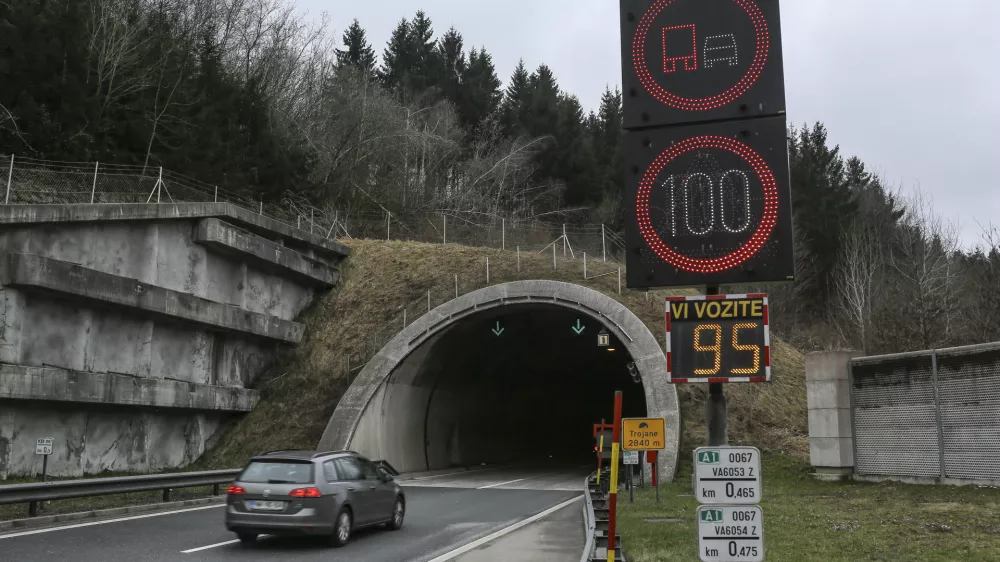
x,y
910,86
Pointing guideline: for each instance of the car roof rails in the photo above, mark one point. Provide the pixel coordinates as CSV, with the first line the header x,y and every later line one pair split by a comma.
x,y
325,453
276,451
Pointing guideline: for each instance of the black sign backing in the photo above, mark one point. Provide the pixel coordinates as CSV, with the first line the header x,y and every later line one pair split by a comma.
x,y
708,205
687,61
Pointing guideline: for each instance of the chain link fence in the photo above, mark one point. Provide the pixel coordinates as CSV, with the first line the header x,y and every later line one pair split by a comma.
x,y
32,181
931,414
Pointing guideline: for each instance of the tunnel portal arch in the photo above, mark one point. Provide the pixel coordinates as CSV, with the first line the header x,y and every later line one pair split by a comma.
x,y
358,420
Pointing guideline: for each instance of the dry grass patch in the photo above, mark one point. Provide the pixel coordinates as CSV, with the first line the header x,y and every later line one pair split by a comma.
x,y
300,392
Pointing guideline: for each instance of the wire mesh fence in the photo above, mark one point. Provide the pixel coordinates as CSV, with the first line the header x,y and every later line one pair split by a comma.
x,y
33,181
928,413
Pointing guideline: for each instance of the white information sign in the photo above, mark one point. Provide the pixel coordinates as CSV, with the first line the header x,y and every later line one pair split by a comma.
x,y
727,475
43,446
630,457
730,533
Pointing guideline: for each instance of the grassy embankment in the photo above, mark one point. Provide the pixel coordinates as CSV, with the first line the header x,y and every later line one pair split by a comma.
x,y
299,395
806,520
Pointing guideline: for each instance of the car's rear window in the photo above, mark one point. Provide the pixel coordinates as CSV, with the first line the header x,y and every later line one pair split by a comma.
x,y
278,472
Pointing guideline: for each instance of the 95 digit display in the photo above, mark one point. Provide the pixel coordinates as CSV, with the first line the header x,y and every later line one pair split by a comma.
x,y
718,339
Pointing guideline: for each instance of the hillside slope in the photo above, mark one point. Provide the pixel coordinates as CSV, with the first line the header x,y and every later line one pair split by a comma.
x,y
300,392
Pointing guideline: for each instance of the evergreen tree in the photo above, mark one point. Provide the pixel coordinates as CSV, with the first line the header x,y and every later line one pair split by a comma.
x,y
357,53
824,205
397,58
480,90
607,134
516,100
453,65
423,73
574,156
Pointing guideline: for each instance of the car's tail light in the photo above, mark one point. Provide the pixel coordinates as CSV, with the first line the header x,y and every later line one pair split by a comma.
x,y
235,490
305,493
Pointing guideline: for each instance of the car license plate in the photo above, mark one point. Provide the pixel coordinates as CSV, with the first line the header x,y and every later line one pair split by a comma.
x,y
258,505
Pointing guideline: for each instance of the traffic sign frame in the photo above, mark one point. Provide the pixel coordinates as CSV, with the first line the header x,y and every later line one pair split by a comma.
x,y
707,545
641,445
672,350
726,481
662,90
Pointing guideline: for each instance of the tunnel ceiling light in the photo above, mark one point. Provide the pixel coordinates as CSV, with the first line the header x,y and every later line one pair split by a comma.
x,y
612,349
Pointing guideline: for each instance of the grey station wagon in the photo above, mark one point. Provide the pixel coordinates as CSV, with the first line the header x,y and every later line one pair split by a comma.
x,y
312,493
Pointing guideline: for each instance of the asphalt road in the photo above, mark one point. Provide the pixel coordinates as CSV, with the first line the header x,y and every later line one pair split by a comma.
x,y
474,516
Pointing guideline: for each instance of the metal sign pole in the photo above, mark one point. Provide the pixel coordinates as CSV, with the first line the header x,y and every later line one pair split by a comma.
x,y
631,488
716,409
613,483
600,452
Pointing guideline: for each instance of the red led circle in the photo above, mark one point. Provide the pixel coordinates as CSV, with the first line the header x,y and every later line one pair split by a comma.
x,y
749,248
700,104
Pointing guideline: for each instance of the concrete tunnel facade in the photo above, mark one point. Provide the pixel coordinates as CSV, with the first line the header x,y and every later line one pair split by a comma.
x,y
424,403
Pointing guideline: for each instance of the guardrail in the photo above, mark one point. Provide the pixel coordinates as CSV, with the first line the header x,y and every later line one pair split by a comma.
x,y
35,492
589,520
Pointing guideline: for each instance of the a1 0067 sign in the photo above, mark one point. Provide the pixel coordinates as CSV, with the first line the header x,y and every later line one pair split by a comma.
x,y
718,339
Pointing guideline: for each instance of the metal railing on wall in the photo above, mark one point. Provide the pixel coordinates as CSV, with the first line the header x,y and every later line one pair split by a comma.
x,y
599,249
33,181
929,414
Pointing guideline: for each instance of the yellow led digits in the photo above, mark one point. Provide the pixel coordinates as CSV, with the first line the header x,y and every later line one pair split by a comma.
x,y
716,348
743,347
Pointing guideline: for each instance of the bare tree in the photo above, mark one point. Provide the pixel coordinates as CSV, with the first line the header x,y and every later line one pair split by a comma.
x,y
923,256
857,285
116,48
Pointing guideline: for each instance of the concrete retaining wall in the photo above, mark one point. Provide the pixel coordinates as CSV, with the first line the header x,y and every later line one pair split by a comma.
x,y
131,332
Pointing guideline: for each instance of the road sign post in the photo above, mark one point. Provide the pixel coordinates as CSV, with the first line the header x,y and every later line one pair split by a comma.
x,y
613,484
630,459
43,446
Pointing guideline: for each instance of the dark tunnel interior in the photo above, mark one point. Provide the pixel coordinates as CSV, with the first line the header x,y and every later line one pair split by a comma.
x,y
519,383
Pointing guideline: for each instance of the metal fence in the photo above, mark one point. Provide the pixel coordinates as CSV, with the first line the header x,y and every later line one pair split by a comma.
x,y
933,414
33,181
601,250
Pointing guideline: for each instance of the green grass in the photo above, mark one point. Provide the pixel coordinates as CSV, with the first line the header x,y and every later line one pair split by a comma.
x,y
808,520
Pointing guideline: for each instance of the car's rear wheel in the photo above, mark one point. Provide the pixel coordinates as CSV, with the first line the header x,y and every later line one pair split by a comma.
x,y
341,529
398,511
247,538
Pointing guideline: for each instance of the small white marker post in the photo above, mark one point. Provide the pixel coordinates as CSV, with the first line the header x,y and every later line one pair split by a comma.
x,y
43,447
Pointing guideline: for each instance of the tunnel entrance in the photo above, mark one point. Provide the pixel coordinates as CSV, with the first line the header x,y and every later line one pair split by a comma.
x,y
520,383
511,373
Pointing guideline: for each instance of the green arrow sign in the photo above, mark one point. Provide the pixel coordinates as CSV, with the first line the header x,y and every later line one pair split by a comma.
x,y
579,328
498,330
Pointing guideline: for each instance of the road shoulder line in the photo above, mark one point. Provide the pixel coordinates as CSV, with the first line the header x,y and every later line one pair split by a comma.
x,y
505,531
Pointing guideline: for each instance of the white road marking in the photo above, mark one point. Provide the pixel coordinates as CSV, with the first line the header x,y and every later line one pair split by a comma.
x,y
106,521
402,482
218,544
479,542
504,483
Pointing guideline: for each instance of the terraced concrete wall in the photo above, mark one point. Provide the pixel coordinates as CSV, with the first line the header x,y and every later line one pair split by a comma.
x,y
128,333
